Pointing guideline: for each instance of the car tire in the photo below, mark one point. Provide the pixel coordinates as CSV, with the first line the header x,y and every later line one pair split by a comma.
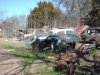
x,y
35,46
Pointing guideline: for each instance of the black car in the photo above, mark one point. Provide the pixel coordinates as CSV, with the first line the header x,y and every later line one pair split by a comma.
x,y
56,42
50,43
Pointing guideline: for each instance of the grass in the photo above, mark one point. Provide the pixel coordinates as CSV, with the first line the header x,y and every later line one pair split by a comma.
x,y
96,51
28,59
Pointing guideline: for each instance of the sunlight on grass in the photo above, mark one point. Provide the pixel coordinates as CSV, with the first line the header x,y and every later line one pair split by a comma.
x,y
10,44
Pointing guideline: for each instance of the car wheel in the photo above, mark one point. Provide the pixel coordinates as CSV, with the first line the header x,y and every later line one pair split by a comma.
x,y
35,46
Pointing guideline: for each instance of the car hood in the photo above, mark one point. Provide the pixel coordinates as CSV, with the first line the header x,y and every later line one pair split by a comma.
x,y
71,39
42,38
39,38
81,29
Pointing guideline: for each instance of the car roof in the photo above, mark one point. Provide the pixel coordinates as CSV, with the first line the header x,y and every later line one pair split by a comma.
x,y
56,30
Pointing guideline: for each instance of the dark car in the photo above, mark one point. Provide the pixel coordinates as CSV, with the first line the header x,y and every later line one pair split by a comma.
x,y
68,42
57,42
50,43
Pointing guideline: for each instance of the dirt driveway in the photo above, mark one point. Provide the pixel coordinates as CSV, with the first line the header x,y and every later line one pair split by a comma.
x,y
9,65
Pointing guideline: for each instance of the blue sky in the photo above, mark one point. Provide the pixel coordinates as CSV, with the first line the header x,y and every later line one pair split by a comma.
x,y
17,7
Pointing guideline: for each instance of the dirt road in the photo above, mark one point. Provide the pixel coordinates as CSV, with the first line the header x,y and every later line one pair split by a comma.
x,y
9,65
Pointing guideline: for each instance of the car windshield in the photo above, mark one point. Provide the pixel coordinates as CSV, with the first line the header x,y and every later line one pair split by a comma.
x,y
70,32
50,33
72,38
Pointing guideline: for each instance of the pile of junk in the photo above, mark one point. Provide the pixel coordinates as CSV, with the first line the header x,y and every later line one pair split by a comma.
x,y
74,50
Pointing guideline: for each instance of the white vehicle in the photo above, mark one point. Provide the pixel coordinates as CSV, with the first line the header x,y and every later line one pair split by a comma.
x,y
62,31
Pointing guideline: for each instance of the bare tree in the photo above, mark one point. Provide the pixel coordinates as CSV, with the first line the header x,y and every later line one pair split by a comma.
x,y
19,22
1,16
7,28
12,24
75,10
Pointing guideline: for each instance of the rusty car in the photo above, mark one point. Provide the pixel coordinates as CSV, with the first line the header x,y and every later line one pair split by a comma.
x,y
92,34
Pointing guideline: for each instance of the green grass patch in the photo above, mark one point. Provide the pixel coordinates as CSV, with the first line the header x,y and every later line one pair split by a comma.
x,y
48,72
28,58
96,51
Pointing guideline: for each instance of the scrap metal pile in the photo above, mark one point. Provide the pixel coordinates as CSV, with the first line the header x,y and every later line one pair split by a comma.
x,y
71,61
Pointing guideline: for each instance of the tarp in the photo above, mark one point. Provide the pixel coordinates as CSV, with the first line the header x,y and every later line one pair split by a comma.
x,y
81,29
